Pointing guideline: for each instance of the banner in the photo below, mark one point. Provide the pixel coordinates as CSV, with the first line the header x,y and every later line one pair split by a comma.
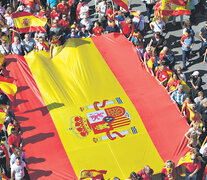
x,y
94,106
175,7
122,3
26,22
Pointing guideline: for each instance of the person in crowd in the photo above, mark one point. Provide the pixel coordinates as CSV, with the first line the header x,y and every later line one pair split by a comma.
x,y
196,83
188,109
9,18
86,22
55,29
127,28
17,169
110,12
203,36
112,27
101,9
28,43
2,10
180,74
168,56
192,168
146,173
178,96
14,140
173,83
158,25
42,45
198,99
4,158
65,24
63,7
162,75
147,54
52,3
72,34
186,42
157,43
133,176
55,14
13,124
203,110
149,7
139,22
139,47
82,9
168,171
54,43
4,47
17,153
97,29
83,33
17,48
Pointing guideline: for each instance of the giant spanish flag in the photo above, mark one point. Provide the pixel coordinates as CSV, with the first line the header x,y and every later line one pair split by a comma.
x,y
26,22
94,107
175,7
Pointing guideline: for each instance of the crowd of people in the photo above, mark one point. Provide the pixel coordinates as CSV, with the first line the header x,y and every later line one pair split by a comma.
x,y
72,19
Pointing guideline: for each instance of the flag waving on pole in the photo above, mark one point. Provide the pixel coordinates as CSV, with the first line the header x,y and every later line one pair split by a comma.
x,y
26,22
122,3
175,7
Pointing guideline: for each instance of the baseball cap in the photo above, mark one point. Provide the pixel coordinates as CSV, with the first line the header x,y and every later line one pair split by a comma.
x,y
195,73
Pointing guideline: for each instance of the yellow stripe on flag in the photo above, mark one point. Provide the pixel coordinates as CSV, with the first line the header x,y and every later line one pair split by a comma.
x,y
76,78
8,88
27,21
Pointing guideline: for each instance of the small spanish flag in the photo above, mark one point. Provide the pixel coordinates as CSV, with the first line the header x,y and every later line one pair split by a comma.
x,y
2,118
122,3
26,22
94,174
8,87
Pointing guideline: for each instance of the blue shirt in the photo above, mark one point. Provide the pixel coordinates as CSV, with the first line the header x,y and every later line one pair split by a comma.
x,y
29,46
17,49
178,97
69,36
52,3
188,42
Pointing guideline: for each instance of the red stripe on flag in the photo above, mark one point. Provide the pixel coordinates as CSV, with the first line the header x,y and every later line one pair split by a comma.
x,y
31,29
161,117
22,14
45,153
175,13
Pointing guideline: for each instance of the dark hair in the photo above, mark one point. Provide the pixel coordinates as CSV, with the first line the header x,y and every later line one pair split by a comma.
x,y
18,158
133,175
175,73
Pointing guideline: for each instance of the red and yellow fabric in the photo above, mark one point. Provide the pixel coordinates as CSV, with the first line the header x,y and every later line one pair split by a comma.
x,y
175,8
122,3
94,174
2,118
88,99
26,22
2,58
8,87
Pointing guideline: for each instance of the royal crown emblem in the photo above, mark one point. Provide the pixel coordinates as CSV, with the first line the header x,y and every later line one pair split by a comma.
x,y
25,22
103,118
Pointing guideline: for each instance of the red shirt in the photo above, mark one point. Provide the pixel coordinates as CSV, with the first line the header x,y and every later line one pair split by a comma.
x,y
127,28
144,176
54,15
43,12
191,167
70,2
97,30
109,12
62,8
64,24
162,75
14,140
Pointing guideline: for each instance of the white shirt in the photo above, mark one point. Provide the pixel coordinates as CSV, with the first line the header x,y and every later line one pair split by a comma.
x,y
158,27
88,23
4,50
18,170
9,20
85,7
102,8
